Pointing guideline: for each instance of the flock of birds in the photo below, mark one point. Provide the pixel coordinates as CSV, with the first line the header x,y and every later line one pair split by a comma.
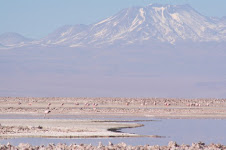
x,y
48,110
88,103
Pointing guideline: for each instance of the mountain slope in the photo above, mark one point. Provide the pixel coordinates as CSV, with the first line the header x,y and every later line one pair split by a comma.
x,y
64,34
137,25
11,39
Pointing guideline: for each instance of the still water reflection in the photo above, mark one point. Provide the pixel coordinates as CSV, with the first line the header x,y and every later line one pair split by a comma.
x,y
184,131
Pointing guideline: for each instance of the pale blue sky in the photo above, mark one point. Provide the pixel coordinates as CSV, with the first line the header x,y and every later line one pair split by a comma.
x,y
37,18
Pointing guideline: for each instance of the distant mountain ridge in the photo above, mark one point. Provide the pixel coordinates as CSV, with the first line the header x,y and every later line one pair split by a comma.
x,y
139,25
13,39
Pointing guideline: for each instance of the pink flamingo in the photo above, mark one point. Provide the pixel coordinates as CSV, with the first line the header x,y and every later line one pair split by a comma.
x,y
46,112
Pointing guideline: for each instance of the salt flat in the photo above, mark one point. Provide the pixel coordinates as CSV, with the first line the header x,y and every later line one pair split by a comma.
x,y
58,128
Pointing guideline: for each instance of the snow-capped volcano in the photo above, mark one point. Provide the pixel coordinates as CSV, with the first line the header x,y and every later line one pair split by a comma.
x,y
165,23
138,25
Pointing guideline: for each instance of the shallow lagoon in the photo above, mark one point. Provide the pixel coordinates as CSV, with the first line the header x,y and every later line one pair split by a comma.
x,y
183,131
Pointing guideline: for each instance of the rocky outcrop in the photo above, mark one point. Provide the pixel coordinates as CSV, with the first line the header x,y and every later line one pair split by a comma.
x,y
111,146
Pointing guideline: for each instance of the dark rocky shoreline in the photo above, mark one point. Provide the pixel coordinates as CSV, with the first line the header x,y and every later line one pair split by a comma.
x,y
111,146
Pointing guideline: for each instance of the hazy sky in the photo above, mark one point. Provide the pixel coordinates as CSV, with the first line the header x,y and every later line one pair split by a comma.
x,y
37,18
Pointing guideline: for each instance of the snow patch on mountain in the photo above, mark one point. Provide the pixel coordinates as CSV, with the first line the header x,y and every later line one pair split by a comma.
x,y
160,12
142,13
176,17
106,20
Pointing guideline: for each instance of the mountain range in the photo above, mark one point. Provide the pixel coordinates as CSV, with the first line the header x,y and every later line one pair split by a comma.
x,y
155,23
156,50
